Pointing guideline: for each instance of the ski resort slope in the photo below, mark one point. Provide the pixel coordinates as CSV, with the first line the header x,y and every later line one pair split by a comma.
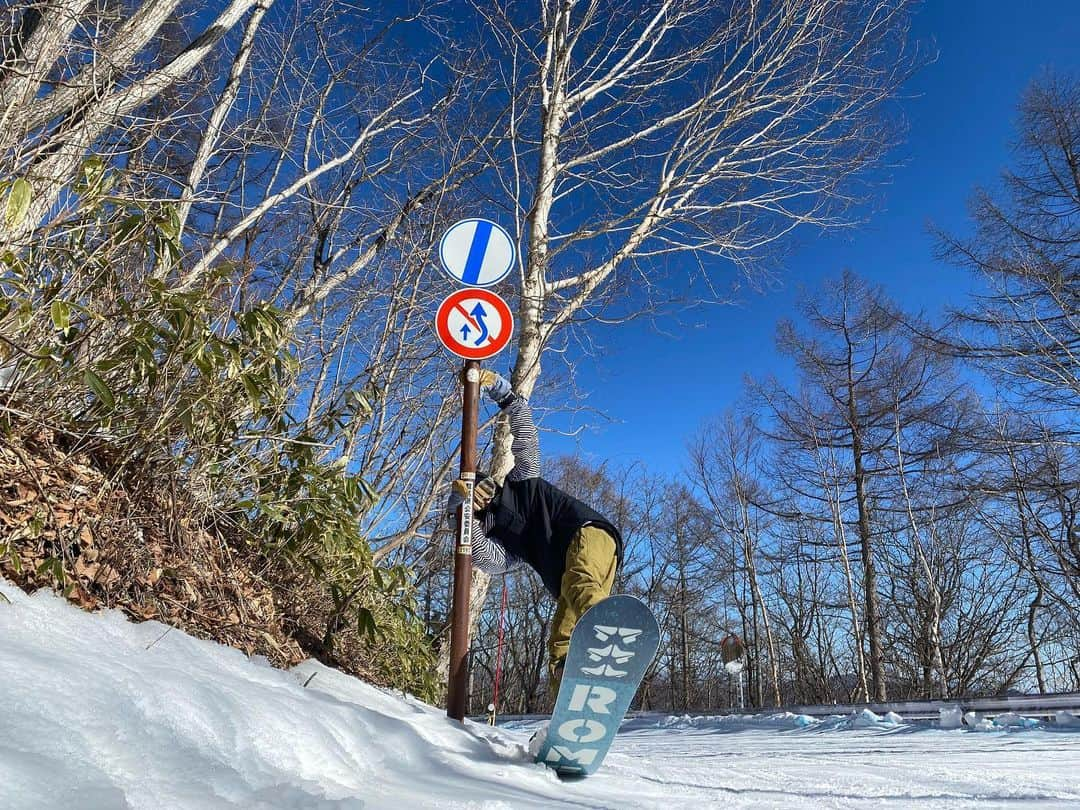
x,y
102,714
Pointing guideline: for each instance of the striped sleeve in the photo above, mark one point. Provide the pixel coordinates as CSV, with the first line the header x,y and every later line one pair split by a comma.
x,y
526,444
487,554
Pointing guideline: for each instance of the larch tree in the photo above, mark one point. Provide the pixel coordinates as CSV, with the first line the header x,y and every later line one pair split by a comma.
x,y
881,412
1024,325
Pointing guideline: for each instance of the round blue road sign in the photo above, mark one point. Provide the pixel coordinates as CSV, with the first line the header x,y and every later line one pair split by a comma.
x,y
476,252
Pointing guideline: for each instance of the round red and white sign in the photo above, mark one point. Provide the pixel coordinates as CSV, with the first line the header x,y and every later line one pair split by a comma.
x,y
474,323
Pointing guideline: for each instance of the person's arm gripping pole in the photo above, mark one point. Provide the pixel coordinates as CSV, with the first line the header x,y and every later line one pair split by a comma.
x,y
457,696
525,444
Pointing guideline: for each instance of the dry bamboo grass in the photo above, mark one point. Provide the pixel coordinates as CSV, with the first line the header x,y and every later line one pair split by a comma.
x,y
131,548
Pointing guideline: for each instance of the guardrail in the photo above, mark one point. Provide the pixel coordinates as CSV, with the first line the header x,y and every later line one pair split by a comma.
x,y
1026,705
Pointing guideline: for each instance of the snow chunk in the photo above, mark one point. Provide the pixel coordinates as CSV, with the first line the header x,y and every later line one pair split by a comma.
x,y
976,723
864,719
869,719
1008,721
536,741
805,720
1066,719
951,717
1014,720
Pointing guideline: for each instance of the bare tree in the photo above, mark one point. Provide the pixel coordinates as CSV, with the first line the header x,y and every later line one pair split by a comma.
x,y
288,166
1025,329
723,458
47,135
315,178
1030,510
691,133
526,623
832,487
866,385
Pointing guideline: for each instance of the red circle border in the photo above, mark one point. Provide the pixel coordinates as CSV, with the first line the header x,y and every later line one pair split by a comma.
x,y
442,323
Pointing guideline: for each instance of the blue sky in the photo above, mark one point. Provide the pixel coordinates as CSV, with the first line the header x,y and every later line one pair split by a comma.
x,y
657,389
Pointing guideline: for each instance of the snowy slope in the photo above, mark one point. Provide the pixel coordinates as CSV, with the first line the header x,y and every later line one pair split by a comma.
x,y
100,714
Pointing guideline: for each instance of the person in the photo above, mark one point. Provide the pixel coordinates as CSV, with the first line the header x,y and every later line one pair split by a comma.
x,y
527,519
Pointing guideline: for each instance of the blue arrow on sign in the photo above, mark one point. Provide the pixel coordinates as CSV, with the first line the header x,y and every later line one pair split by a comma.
x,y
480,313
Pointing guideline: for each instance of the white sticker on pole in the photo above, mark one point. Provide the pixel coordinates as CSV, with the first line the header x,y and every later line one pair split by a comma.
x,y
476,252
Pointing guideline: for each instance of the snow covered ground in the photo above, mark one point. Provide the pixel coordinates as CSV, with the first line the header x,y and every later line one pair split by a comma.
x,y
97,713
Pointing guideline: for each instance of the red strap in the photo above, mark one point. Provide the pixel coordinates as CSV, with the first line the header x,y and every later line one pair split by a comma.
x,y
498,654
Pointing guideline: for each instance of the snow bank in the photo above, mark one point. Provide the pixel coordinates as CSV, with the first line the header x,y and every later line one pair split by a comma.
x,y
750,722
103,714
100,714
717,723
952,717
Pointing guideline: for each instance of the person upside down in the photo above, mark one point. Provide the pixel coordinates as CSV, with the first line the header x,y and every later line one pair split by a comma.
x,y
575,550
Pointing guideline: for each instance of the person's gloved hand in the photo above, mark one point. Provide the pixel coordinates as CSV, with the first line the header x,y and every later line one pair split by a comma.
x,y
497,386
456,496
483,491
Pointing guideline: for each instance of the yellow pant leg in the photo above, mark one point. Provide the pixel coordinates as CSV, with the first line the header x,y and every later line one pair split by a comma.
x,y
589,577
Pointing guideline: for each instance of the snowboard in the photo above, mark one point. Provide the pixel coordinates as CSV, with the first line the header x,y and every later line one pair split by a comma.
x,y
611,647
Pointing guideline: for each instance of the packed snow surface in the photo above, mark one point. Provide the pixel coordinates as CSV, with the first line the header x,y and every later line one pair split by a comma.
x,y
102,714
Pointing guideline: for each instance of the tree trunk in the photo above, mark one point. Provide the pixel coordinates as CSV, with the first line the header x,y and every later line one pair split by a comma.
x,y
50,175
1032,635
856,625
685,645
759,604
870,595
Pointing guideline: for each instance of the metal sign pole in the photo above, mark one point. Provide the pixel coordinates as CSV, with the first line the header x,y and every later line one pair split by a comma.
x,y
457,693
474,324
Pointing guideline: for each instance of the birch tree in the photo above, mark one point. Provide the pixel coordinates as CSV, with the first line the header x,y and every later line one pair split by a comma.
x,y
639,135
684,137
89,91
310,173
296,158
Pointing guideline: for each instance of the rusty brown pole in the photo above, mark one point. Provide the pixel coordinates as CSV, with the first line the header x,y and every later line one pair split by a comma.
x,y
457,693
